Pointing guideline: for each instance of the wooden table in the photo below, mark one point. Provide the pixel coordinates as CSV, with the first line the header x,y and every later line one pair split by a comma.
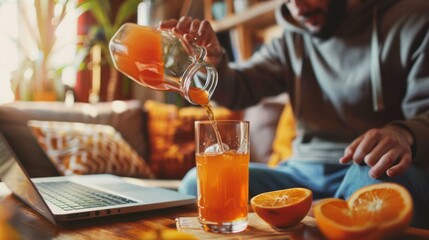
x,y
31,225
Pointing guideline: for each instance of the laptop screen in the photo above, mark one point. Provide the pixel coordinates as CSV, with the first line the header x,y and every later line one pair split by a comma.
x,y
18,181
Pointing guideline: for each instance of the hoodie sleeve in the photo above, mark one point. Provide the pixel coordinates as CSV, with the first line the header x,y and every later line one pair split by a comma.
x,y
416,102
246,83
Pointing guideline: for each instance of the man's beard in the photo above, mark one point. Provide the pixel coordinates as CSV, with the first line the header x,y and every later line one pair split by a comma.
x,y
334,15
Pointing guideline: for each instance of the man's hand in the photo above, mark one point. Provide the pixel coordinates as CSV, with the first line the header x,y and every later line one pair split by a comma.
x,y
385,150
197,32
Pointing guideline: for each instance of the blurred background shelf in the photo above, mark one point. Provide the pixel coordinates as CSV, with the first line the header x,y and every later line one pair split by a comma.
x,y
260,14
249,23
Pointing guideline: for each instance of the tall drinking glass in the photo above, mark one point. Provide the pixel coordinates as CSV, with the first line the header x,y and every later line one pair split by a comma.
x,y
222,174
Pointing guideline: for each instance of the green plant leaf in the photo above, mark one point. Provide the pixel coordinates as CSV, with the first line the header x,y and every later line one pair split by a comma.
x,y
84,6
127,10
100,10
102,13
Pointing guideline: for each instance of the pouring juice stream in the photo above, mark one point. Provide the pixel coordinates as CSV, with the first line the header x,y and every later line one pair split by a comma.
x,y
201,97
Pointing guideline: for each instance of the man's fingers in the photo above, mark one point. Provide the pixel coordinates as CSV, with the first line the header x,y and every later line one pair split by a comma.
x,y
189,38
193,35
380,149
348,156
365,146
195,26
206,32
350,150
184,24
167,24
384,163
403,164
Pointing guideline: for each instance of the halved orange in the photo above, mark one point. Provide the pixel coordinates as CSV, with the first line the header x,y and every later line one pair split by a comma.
x,y
373,212
283,208
337,221
389,205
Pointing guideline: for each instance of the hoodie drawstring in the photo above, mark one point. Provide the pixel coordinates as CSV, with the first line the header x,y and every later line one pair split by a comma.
x,y
377,90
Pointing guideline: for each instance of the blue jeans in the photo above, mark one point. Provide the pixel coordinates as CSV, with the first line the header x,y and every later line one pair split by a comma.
x,y
328,180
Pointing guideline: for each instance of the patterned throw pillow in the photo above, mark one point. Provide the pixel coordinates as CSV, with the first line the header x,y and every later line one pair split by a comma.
x,y
80,148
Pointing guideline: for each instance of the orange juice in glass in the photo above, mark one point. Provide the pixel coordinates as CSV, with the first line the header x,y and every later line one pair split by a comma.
x,y
162,60
222,175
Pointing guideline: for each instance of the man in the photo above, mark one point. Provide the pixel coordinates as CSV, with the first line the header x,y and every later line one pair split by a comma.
x,y
357,72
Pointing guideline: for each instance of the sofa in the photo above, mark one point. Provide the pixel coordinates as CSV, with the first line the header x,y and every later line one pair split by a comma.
x,y
159,135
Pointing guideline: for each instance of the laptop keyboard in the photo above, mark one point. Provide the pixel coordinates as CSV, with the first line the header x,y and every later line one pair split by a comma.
x,y
71,196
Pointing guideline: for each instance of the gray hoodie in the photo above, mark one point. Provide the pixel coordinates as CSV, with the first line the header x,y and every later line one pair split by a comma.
x,y
373,71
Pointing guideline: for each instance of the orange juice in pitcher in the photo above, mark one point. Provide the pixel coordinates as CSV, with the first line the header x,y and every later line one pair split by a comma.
x,y
162,60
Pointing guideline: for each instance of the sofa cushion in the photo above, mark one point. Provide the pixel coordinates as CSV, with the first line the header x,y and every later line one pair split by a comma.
x,y
79,148
125,116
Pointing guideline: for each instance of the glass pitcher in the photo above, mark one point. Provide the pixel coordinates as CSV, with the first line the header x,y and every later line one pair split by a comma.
x,y
162,60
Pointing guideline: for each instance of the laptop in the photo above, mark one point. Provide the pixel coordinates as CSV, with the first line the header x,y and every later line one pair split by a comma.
x,y
70,198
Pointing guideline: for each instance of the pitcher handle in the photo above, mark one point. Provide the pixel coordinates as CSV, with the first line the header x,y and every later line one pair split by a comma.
x,y
191,79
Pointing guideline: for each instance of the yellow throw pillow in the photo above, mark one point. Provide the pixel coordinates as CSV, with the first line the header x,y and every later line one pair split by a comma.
x,y
80,148
285,133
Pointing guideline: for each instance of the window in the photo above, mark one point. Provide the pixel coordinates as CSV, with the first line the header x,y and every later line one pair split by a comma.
x,y
19,46
9,50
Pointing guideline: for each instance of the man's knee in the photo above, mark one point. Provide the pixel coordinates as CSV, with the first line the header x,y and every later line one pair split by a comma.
x,y
356,177
189,183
